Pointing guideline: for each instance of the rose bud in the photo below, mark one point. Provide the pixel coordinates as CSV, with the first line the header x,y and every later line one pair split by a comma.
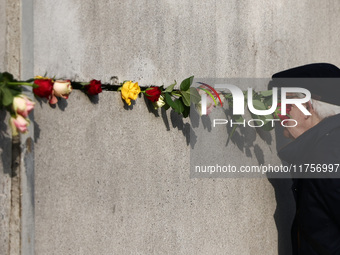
x,y
62,88
160,102
44,89
153,93
22,105
18,123
94,88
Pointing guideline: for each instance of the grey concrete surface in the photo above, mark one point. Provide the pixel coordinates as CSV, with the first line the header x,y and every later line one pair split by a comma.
x,y
27,40
155,42
27,140
111,180
13,37
5,182
2,34
5,145
116,181
16,184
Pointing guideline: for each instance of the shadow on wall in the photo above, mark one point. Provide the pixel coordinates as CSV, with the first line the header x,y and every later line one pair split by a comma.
x,y
5,143
285,203
176,120
245,139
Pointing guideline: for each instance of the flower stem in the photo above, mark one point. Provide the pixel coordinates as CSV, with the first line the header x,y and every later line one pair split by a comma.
x,y
16,83
174,93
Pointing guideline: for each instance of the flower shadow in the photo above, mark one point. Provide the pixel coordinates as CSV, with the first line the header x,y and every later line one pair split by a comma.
x,y
176,119
93,99
5,144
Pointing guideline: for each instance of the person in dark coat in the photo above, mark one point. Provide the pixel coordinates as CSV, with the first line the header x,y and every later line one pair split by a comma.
x,y
315,154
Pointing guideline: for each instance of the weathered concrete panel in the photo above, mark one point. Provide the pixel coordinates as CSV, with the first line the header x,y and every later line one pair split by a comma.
x,y
115,181
13,37
5,181
5,149
2,34
111,180
158,41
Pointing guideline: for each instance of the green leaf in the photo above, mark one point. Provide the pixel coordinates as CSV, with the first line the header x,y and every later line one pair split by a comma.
x,y
170,88
176,93
228,96
259,105
236,118
186,111
185,84
195,97
166,106
7,97
256,96
15,91
266,93
186,97
257,117
168,100
1,77
267,126
7,77
268,102
179,106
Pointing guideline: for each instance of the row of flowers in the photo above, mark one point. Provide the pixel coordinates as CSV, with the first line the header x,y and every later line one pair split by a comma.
x,y
51,90
19,105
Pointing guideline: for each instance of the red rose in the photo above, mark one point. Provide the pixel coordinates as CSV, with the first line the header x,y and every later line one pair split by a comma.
x,y
277,113
94,88
45,88
153,93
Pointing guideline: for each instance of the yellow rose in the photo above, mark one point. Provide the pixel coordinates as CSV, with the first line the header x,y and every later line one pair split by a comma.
x,y
130,91
39,77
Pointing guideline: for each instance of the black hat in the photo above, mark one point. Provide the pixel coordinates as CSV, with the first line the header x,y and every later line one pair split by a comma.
x,y
321,79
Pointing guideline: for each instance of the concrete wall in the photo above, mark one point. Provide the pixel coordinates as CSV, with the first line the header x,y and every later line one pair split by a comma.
x,y
5,182
17,162
158,41
5,147
5,150
111,180
107,185
2,34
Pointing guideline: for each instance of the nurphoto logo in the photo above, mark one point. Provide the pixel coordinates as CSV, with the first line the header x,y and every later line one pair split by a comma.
x,y
238,104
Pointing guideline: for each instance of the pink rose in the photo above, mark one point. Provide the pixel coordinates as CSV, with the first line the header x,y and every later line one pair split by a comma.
x,y
22,105
18,123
